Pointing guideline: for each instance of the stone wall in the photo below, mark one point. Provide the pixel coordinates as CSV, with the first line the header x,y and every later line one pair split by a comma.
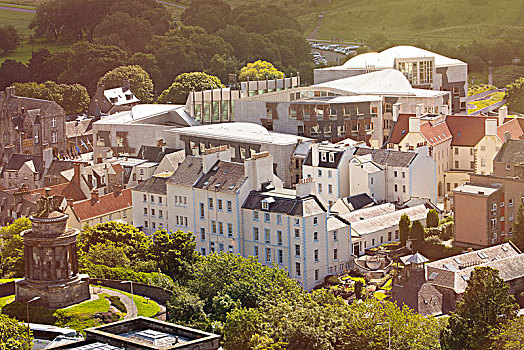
x,y
7,289
160,295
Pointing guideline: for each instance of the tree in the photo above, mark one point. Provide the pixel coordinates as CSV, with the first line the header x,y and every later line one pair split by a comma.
x,y
89,61
509,336
185,308
175,253
73,98
262,18
518,228
432,219
148,63
12,252
515,95
187,82
211,15
404,227
122,30
222,66
12,71
45,65
259,70
9,38
485,305
417,234
46,23
108,254
358,288
13,334
141,84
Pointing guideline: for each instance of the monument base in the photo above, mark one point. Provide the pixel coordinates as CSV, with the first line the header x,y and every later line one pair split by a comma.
x,y
54,296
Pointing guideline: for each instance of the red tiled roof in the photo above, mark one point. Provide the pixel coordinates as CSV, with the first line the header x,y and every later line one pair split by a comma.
x,y
118,168
55,189
514,126
74,191
109,203
435,134
466,130
400,129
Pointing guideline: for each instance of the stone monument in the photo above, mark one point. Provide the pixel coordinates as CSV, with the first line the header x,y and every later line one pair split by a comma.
x,y
51,264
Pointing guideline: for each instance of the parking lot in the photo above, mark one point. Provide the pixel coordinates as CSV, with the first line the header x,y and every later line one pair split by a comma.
x,y
331,54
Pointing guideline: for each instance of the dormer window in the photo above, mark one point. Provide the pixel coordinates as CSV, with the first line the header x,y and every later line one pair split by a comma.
x,y
332,157
265,205
323,156
53,122
266,202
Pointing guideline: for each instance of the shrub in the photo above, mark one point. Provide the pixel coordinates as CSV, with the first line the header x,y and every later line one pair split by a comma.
x,y
123,274
447,231
332,279
433,239
117,303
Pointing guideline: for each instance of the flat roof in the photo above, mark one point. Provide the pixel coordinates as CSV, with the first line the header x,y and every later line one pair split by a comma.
x,y
137,113
240,131
479,190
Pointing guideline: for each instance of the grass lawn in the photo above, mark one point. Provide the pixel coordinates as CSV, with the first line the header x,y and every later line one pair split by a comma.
x,y
387,285
6,300
144,307
5,280
493,98
380,295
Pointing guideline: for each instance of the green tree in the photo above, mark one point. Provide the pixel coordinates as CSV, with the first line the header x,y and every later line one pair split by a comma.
x,y
432,219
47,66
12,248
358,289
515,95
211,15
13,334
108,254
259,70
12,71
485,305
9,38
73,98
222,66
141,84
185,308
187,82
404,227
263,18
148,63
417,234
175,253
120,29
509,336
518,228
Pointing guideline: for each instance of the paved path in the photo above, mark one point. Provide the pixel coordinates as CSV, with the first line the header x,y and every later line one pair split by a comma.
x,y
130,306
171,4
16,9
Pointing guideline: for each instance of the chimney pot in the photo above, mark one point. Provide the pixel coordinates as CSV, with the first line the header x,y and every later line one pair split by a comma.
x,y
94,197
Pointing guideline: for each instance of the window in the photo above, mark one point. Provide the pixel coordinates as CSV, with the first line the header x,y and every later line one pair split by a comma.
x,y
160,214
508,166
255,251
265,205
330,189
267,235
371,180
214,226
335,254
152,212
403,174
267,217
53,122
230,249
404,188
297,221
319,188
315,236
202,234
279,237
381,239
153,224
279,219
395,173
316,275
152,199
316,255
396,188
255,215
280,256
323,157
146,224
297,250
297,269
315,221
212,247
510,202
397,234
210,203
456,164
335,235
268,254
297,233
201,210
203,251
510,217
229,206
145,211
159,200
54,137
219,204
145,198
221,228
255,233
331,157
493,224
230,230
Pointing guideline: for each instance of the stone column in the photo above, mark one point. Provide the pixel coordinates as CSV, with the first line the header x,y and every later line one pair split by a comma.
x,y
74,258
31,262
53,264
26,261
68,256
41,251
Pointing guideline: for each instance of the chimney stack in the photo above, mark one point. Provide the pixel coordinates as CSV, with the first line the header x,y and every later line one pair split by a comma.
x,y
445,110
94,197
259,169
118,190
305,187
419,110
491,127
77,172
414,124
126,84
212,155
48,157
314,153
503,114
70,202
100,88
507,136
397,107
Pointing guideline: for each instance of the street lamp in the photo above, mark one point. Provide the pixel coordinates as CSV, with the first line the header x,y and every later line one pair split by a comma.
x,y
27,314
389,332
132,298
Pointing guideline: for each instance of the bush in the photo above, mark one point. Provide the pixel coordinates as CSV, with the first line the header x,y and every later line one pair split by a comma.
x,y
447,231
117,303
121,274
332,279
433,239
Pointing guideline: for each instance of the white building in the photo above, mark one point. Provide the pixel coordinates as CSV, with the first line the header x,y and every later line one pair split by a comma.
x,y
393,176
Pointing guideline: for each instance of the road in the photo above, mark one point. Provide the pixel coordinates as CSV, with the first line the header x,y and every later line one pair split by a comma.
x,y
171,4
16,9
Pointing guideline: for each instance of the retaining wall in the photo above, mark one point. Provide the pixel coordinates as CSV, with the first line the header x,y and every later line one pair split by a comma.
x,y
160,295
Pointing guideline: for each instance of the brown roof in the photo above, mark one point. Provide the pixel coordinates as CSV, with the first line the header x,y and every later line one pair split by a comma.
x,y
400,129
511,151
437,133
109,203
55,189
515,127
80,128
466,130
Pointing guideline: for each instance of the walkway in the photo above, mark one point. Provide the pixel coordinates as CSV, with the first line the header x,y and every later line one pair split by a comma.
x,y
171,4
16,9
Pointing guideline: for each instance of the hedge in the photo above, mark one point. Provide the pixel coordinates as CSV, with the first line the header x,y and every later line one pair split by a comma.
x,y
121,274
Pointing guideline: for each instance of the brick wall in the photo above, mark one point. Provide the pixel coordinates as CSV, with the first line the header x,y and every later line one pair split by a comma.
x,y
7,289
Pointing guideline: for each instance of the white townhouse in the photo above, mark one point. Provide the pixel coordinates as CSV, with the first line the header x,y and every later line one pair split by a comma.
x,y
393,176
326,163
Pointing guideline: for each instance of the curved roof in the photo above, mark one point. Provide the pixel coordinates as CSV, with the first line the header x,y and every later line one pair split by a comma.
x,y
386,58
388,81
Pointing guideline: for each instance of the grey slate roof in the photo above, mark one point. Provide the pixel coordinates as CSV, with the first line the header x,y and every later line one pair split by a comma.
x,y
188,172
359,201
302,149
511,152
155,184
223,177
327,163
387,157
153,153
17,160
306,206
57,166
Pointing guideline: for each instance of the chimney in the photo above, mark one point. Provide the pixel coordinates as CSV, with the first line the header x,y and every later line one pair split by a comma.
x,y
503,114
305,187
126,84
118,190
94,197
99,159
396,111
100,88
259,169
419,109
507,136
445,110
70,202
78,168
414,124
22,192
48,157
212,155
491,127
314,154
